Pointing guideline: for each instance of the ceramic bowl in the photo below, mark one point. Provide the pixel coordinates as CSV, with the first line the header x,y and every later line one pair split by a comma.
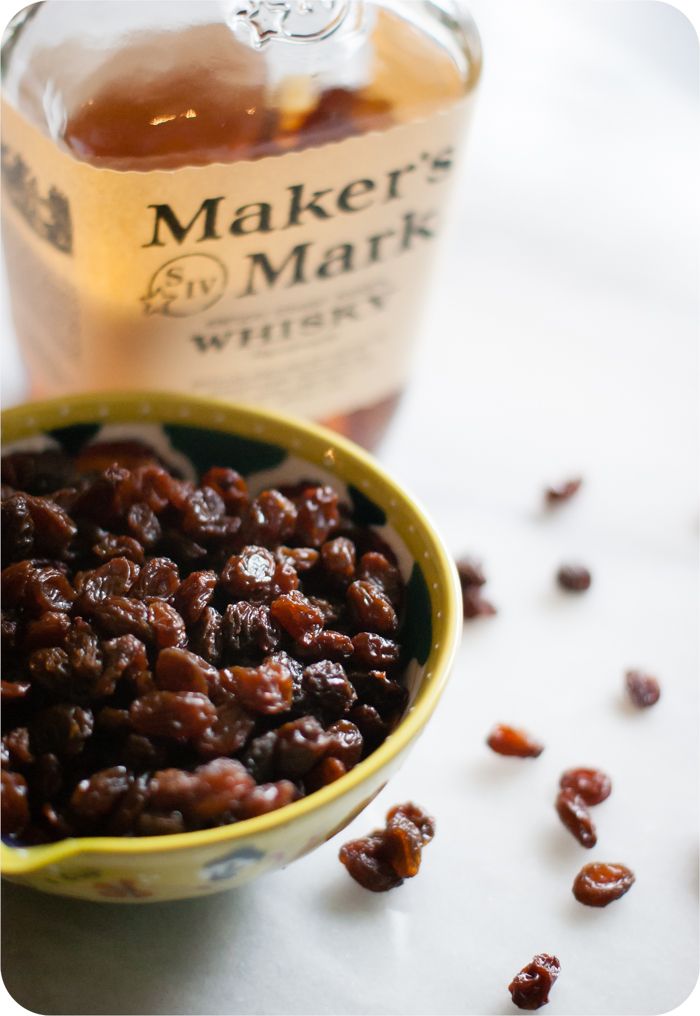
x,y
269,449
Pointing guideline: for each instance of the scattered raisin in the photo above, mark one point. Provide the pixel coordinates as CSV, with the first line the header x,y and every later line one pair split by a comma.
x,y
574,578
563,491
592,785
382,860
599,883
573,812
510,741
530,988
643,689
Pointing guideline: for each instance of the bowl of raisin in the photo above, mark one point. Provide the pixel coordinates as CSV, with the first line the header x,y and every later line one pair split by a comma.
x,y
222,630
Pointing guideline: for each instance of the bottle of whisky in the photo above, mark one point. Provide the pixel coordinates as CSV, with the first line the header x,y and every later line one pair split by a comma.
x,y
238,198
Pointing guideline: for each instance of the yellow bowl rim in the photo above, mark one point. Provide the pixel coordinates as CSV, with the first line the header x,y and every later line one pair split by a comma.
x,y
22,860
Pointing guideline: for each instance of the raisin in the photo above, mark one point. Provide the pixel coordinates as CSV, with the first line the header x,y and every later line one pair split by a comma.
x,y
53,527
573,812
574,578
187,552
129,808
271,519
143,524
318,515
17,528
599,883
48,630
326,645
204,517
372,727
326,686
180,670
110,546
299,618
345,743
14,802
474,604
374,651
374,567
120,615
14,691
339,559
564,491
194,595
181,715
85,657
530,988
61,729
141,753
203,796
36,589
259,757
388,697
16,745
266,689
113,578
643,689
148,824
124,656
102,454
230,486
403,844
228,731
328,770
207,636
37,472
471,572
302,559
371,609
267,797
510,741
413,813
300,745
249,575
159,577
95,797
98,499
592,785
368,863
249,626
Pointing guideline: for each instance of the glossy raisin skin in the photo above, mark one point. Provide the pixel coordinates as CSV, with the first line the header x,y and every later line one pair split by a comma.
x,y
505,740
599,884
179,655
573,812
382,860
575,578
530,988
643,689
472,579
592,785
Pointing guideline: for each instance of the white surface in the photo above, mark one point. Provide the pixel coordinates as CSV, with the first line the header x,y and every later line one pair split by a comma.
x,y
562,338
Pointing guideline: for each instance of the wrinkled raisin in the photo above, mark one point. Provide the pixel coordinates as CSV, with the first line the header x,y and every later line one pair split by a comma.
x,y
510,741
15,804
326,686
326,645
300,744
388,697
367,860
339,559
374,567
574,578
228,731
563,491
474,604
267,797
266,689
230,486
204,795
249,575
180,670
61,729
159,577
345,743
110,546
271,519
471,572
300,558
592,785
195,594
207,636
403,843
371,609
599,883
318,515
120,615
95,797
643,689
372,727
181,715
248,626
48,630
413,813
374,651
167,629
530,988
573,812
328,770
299,618
259,756
113,578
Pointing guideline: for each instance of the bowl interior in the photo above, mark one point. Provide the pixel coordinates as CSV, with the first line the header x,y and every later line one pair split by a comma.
x,y
193,434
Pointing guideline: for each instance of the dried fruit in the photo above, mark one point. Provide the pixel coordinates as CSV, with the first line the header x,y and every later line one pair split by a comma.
x,y
371,609
382,860
14,802
574,578
374,651
299,745
250,574
297,615
592,785
326,686
530,988
643,689
318,515
266,689
573,812
598,883
510,741
181,715
563,491
339,558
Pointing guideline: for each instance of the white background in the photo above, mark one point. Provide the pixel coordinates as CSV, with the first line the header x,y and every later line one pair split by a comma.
x,y
561,338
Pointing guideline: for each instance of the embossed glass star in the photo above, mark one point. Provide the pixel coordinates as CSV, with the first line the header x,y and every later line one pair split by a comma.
x,y
264,19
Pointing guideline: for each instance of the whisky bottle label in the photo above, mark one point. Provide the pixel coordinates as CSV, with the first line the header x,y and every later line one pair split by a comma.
x,y
293,281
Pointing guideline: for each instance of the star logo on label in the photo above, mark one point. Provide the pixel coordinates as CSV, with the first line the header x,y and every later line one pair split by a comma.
x,y
156,302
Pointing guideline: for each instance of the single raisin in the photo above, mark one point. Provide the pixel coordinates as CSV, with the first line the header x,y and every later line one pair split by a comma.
x,y
339,559
413,813
143,524
592,785
326,645
643,689
167,629
194,594
110,546
113,578
13,691
228,731
574,578
471,572
318,516
376,568
46,631
573,812
299,618
564,491
345,743
328,770
530,988
368,862
249,626
266,689
510,741
372,727
230,486
250,574
271,519
181,715
14,802
388,697
374,651
61,729
300,745
181,670
302,559
207,636
403,844
267,797
95,797
326,686
159,577
599,883
371,609
120,615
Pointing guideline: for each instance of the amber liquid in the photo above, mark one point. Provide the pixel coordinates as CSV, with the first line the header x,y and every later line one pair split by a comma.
x,y
199,97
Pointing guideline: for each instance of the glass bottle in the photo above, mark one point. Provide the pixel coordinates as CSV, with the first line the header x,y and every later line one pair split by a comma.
x,y
237,198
